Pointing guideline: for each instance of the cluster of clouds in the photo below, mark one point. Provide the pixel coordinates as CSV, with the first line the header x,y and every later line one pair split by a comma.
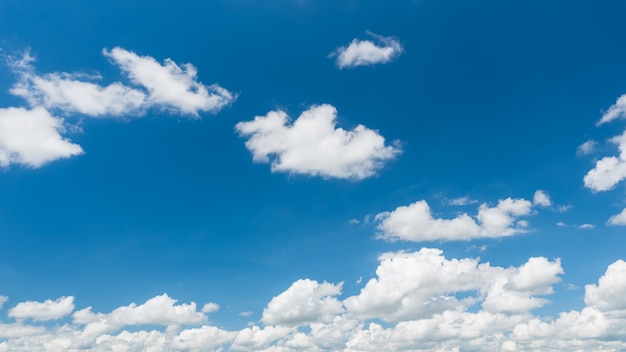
x,y
417,301
415,222
608,171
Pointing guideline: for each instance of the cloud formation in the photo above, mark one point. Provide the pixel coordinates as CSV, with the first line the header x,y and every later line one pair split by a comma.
x,y
618,219
33,138
42,311
313,145
366,52
415,222
616,111
610,170
541,198
429,302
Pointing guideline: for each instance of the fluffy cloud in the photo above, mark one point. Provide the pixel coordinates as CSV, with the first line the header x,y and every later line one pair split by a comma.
x,y
32,138
43,311
541,198
305,301
169,85
74,93
616,111
489,312
366,52
618,219
312,145
415,222
609,171
586,148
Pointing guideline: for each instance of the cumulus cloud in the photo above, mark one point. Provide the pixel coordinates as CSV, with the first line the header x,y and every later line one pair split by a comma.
x,y
305,301
415,222
43,311
490,310
587,226
32,138
169,85
616,111
313,145
541,198
609,171
74,93
618,219
366,52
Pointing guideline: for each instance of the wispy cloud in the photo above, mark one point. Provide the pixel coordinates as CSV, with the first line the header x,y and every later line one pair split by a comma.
x,y
366,52
616,111
618,219
313,145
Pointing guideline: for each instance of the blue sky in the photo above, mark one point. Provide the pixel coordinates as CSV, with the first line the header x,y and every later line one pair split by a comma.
x,y
314,175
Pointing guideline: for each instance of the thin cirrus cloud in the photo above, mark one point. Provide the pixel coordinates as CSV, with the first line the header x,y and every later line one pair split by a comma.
x,y
415,222
366,52
429,302
313,145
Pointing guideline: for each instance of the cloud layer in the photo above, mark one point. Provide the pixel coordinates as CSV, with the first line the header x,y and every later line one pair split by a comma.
x,y
366,52
430,303
313,145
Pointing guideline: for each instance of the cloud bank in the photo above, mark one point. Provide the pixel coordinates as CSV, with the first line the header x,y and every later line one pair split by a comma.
x,y
428,301
313,145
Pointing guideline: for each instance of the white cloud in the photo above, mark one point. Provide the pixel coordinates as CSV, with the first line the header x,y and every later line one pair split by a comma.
x,y
490,312
43,311
304,302
616,111
312,145
541,198
74,93
587,226
366,52
586,148
32,138
415,222
618,219
462,201
609,171
247,313
210,307
169,85
3,300
560,223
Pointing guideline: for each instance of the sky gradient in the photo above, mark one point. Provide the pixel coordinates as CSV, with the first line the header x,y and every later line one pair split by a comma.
x,y
299,175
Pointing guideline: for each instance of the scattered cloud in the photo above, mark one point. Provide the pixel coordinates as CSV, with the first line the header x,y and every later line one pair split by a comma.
x,y
587,226
3,300
170,86
416,223
313,145
462,201
586,148
366,52
564,208
429,302
560,223
618,219
542,199
210,307
616,111
247,313
609,171
304,302
74,93
43,311
354,221
33,138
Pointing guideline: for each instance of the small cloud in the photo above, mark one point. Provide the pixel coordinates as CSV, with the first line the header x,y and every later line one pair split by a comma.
x,y
610,170
522,223
359,280
476,248
210,307
461,201
246,313
354,221
564,208
3,300
366,52
571,287
618,219
616,111
587,226
541,198
560,223
586,148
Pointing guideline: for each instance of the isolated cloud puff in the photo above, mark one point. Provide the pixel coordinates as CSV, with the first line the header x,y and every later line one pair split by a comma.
x,y
541,198
609,171
616,111
305,301
586,148
366,52
74,93
415,222
32,138
43,311
169,85
313,145
618,219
